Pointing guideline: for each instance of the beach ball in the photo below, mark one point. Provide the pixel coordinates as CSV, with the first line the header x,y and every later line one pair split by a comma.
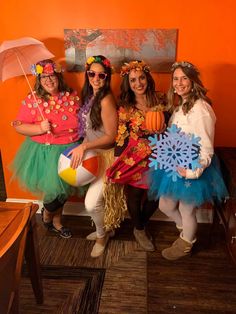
x,y
85,173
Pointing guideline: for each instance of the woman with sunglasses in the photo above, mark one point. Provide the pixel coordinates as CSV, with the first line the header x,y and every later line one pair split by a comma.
x,y
138,96
48,117
98,126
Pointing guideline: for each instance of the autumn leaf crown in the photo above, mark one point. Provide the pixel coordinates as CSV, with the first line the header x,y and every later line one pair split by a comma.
x,y
134,65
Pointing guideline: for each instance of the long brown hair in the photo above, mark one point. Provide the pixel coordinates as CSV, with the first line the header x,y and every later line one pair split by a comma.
x,y
127,97
198,91
87,90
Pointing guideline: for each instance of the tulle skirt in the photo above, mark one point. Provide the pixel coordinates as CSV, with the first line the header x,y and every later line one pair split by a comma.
x,y
209,187
35,168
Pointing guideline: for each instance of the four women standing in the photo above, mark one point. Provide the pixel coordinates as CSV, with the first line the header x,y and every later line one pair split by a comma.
x,y
98,123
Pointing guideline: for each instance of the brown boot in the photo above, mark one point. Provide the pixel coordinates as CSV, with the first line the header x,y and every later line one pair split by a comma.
x,y
143,240
179,248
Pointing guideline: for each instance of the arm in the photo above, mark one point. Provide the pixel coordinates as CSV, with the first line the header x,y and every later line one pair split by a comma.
x,y
110,122
29,129
26,123
204,127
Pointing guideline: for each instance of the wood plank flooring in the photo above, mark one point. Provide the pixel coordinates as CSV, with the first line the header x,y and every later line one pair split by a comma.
x,y
137,282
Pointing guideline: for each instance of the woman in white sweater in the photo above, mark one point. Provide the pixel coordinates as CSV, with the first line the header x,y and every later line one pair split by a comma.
x,y
180,197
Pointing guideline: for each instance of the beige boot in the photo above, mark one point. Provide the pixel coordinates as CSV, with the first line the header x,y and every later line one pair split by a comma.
x,y
179,248
143,240
99,246
93,236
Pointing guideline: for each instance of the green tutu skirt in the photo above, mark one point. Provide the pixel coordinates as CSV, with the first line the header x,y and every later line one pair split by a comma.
x,y
35,168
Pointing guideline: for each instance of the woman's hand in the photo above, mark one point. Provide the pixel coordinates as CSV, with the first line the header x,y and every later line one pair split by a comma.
x,y
45,126
182,171
77,155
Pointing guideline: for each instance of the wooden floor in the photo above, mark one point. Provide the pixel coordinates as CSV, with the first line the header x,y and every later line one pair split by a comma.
x,y
138,282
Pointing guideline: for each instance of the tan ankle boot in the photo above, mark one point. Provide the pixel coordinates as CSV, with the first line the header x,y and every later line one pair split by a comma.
x,y
179,248
99,247
143,240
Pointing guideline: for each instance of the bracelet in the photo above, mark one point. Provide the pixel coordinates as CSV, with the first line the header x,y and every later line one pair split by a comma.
x,y
16,123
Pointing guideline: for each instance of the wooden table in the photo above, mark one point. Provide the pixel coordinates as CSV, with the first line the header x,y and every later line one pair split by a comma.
x,y
9,213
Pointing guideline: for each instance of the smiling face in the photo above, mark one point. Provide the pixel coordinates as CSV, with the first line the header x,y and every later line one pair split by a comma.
x,y
181,83
98,80
138,82
50,83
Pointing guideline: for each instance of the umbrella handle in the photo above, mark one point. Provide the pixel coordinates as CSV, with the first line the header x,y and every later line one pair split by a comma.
x,y
40,111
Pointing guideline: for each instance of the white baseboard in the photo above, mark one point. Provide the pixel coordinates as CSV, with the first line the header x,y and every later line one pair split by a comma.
x,y
204,215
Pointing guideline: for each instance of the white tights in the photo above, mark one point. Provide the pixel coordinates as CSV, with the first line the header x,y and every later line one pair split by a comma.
x,y
184,215
94,204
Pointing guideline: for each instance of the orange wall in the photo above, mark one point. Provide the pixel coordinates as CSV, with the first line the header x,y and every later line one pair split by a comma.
x,y
206,37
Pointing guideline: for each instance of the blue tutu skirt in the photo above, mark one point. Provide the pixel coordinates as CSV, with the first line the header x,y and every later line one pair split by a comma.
x,y
209,187
35,168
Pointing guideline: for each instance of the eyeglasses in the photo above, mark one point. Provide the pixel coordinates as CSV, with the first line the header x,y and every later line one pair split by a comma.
x,y
101,75
47,77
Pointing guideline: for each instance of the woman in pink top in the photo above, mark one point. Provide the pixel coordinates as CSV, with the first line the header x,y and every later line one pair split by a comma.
x,y
48,118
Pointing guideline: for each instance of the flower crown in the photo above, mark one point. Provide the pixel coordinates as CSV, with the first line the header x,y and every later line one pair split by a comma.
x,y
134,65
45,68
97,59
182,64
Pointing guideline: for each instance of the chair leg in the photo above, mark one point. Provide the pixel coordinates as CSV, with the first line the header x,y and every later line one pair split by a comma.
x,y
217,218
215,222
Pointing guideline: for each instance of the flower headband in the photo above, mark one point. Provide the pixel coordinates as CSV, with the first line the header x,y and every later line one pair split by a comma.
x,y
182,64
134,65
45,68
97,59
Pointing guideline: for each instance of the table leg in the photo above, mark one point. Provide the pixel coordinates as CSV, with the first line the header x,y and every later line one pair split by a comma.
x,y
33,261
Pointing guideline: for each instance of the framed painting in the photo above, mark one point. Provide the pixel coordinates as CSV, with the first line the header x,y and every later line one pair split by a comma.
x,y
157,47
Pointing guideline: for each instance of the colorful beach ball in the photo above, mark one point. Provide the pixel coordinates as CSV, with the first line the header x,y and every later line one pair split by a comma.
x,y
86,172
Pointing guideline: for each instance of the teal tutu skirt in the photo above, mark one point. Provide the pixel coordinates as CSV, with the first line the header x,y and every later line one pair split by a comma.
x,y
35,168
209,187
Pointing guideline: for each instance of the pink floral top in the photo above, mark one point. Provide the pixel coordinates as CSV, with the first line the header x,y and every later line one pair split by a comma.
x,y
60,110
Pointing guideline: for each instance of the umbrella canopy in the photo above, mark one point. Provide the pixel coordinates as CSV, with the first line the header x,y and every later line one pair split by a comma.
x,y
17,56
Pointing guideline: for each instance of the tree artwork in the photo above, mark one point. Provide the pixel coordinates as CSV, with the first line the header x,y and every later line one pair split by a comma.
x,y
156,46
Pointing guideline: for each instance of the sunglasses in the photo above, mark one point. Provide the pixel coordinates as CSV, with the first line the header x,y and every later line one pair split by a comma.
x,y
101,75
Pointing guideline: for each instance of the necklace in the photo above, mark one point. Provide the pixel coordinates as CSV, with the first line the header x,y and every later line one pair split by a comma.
x,y
142,107
84,110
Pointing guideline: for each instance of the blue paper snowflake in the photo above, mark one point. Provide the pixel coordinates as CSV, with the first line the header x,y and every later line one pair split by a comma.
x,y
174,149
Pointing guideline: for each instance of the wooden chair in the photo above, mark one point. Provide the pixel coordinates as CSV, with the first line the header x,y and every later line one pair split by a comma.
x,y
218,207
12,246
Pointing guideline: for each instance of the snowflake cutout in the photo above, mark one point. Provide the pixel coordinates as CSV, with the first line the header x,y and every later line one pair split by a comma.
x,y
174,149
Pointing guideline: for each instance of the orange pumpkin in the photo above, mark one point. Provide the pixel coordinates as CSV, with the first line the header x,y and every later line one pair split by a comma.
x,y
154,121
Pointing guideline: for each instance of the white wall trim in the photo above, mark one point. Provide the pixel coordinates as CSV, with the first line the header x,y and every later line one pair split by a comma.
x,y
204,215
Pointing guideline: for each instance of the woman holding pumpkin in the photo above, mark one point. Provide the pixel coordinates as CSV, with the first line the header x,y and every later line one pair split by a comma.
x,y
179,198
138,96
